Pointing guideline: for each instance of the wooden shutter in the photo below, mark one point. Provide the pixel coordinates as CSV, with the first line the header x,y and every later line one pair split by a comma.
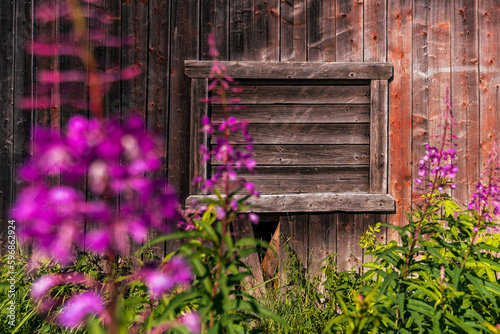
x,y
319,129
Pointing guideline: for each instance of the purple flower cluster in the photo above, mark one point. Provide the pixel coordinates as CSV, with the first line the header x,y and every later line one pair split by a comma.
x,y
486,199
115,159
436,168
159,280
229,158
232,149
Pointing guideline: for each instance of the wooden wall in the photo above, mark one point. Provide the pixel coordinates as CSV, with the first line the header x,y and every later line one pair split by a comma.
x,y
431,44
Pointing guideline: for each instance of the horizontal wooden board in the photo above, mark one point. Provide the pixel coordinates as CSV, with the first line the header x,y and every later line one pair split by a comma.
x,y
299,113
316,202
326,134
284,179
293,70
290,94
310,154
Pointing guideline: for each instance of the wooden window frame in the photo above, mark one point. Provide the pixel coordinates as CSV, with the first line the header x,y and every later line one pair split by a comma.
x,y
377,200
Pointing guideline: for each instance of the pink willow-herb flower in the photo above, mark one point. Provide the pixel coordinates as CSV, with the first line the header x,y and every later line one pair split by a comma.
x,y
114,158
227,157
163,279
232,150
486,200
437,167
79,307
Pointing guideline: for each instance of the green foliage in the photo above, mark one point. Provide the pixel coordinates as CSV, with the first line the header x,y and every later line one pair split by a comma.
x,y
217,293
307,300
442,279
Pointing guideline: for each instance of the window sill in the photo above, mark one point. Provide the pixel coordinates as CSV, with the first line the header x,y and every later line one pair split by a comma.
x,y
316,202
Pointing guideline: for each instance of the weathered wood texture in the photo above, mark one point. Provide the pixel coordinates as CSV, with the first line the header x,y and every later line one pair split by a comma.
x,y
431,44
317,202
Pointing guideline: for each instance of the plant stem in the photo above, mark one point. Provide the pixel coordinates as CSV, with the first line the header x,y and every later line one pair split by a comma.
x,y
87,57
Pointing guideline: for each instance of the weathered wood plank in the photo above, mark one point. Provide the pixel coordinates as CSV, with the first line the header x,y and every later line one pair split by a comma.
x,y
183,45
320,134
317,202
298,240
283,180
290,94
321,43
378,136
294,70
431,73
271,259
489,77
375,49
421,82
310,154
349,229
156,72
299,113
399,37
293,30
375,27
243,229
198,138
8,45
266,30
349,30
110,57
241,34
322,240
133,94
465,96
214,19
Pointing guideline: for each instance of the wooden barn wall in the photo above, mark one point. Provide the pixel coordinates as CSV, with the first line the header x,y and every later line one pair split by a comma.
x,y
431,44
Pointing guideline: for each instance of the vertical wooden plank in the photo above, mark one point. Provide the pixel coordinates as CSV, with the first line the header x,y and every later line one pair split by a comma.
x,y
349,48
242,37
489,76
431,73
400,101
349,30
375,31
198,167
322,240
378,136
267,30
110,58
8,12
465,95
158,85
47,30
134,25
184,45
243,229
299,237
293,30
321,21
214,19
421,81
375,50
349,228
133,99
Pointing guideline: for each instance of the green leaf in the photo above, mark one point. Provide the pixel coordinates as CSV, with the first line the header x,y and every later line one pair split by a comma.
x,y
388,280
170,237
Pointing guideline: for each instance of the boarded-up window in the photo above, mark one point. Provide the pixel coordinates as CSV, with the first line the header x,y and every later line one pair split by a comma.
x,y
319,129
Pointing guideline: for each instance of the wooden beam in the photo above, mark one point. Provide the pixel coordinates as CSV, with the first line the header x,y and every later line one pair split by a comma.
x,y
293,70
316,202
